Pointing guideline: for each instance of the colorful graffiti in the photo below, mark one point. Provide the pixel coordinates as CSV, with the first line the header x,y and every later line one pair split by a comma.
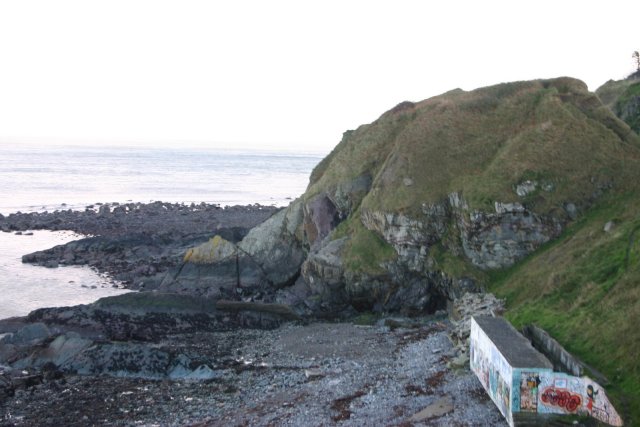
x,y
534,389
562,393
493,370
561,398
598,405
529,382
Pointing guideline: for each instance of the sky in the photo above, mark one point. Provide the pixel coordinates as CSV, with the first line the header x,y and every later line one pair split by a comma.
x,y
279,74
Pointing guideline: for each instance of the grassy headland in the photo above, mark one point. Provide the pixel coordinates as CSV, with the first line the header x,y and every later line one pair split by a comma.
x,y
582,287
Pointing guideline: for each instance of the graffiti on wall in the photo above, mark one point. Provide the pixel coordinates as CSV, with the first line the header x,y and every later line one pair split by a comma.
x,y
565,394
562,399
529,382
492,369
538,390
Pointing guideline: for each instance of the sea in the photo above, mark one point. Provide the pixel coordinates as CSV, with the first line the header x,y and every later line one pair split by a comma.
x,y
38,178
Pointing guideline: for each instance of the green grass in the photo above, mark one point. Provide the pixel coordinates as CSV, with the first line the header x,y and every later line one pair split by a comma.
x,y
612,90
482,143
584,288
627,106
455,266
365,251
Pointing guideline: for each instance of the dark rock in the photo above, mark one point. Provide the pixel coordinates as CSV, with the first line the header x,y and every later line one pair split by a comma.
x,y
51,372
136,243
320,218
29,334
267,258
7,388
27,381
51,264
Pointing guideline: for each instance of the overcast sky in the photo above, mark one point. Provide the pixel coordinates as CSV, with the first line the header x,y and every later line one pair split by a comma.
x,y
275,74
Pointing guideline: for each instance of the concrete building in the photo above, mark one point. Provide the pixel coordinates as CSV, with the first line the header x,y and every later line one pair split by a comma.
x,y
521,381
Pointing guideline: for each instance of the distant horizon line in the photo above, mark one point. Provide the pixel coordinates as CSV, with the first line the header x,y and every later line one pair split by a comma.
x,y
280,147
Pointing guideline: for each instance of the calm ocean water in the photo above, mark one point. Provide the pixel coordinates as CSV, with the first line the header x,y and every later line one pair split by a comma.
x,y
37,178
43,178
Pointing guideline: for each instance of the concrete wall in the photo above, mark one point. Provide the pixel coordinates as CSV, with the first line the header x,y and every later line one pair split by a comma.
x,y
535,391
492,369
560,393
561,358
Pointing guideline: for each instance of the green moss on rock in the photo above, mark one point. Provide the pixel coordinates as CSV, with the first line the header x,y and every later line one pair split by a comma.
x,y
215,250
365,251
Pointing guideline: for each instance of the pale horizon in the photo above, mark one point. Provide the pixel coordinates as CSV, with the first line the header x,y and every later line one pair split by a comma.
x,y
279,75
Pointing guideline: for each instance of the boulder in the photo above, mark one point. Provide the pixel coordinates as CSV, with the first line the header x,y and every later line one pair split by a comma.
x,y
28,335
267,258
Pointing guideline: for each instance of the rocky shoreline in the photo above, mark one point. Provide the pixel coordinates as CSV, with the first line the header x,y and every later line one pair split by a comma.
x,y
153,358
135,243
314,374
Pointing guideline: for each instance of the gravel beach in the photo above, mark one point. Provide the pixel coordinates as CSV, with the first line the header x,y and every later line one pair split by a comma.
x,y
316,374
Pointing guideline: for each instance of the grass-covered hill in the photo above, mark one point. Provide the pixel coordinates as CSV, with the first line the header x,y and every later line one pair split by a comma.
x,y
583,285
584,288
481,145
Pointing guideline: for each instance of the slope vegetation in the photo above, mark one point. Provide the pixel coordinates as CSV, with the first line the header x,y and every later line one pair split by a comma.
x,y
584,288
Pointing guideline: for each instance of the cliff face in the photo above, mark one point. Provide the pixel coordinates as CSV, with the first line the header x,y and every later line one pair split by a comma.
x,y
417,207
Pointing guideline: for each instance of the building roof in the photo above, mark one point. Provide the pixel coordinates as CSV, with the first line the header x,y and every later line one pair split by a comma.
x,y
514,347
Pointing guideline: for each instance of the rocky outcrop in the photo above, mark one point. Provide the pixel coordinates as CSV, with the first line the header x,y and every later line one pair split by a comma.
x,y
267,258
489,240
129,335
71,353
320,217
410,237
500,239
136,244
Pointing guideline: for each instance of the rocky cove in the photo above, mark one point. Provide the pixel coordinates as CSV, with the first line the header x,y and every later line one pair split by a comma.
x,y
349,306
159,358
